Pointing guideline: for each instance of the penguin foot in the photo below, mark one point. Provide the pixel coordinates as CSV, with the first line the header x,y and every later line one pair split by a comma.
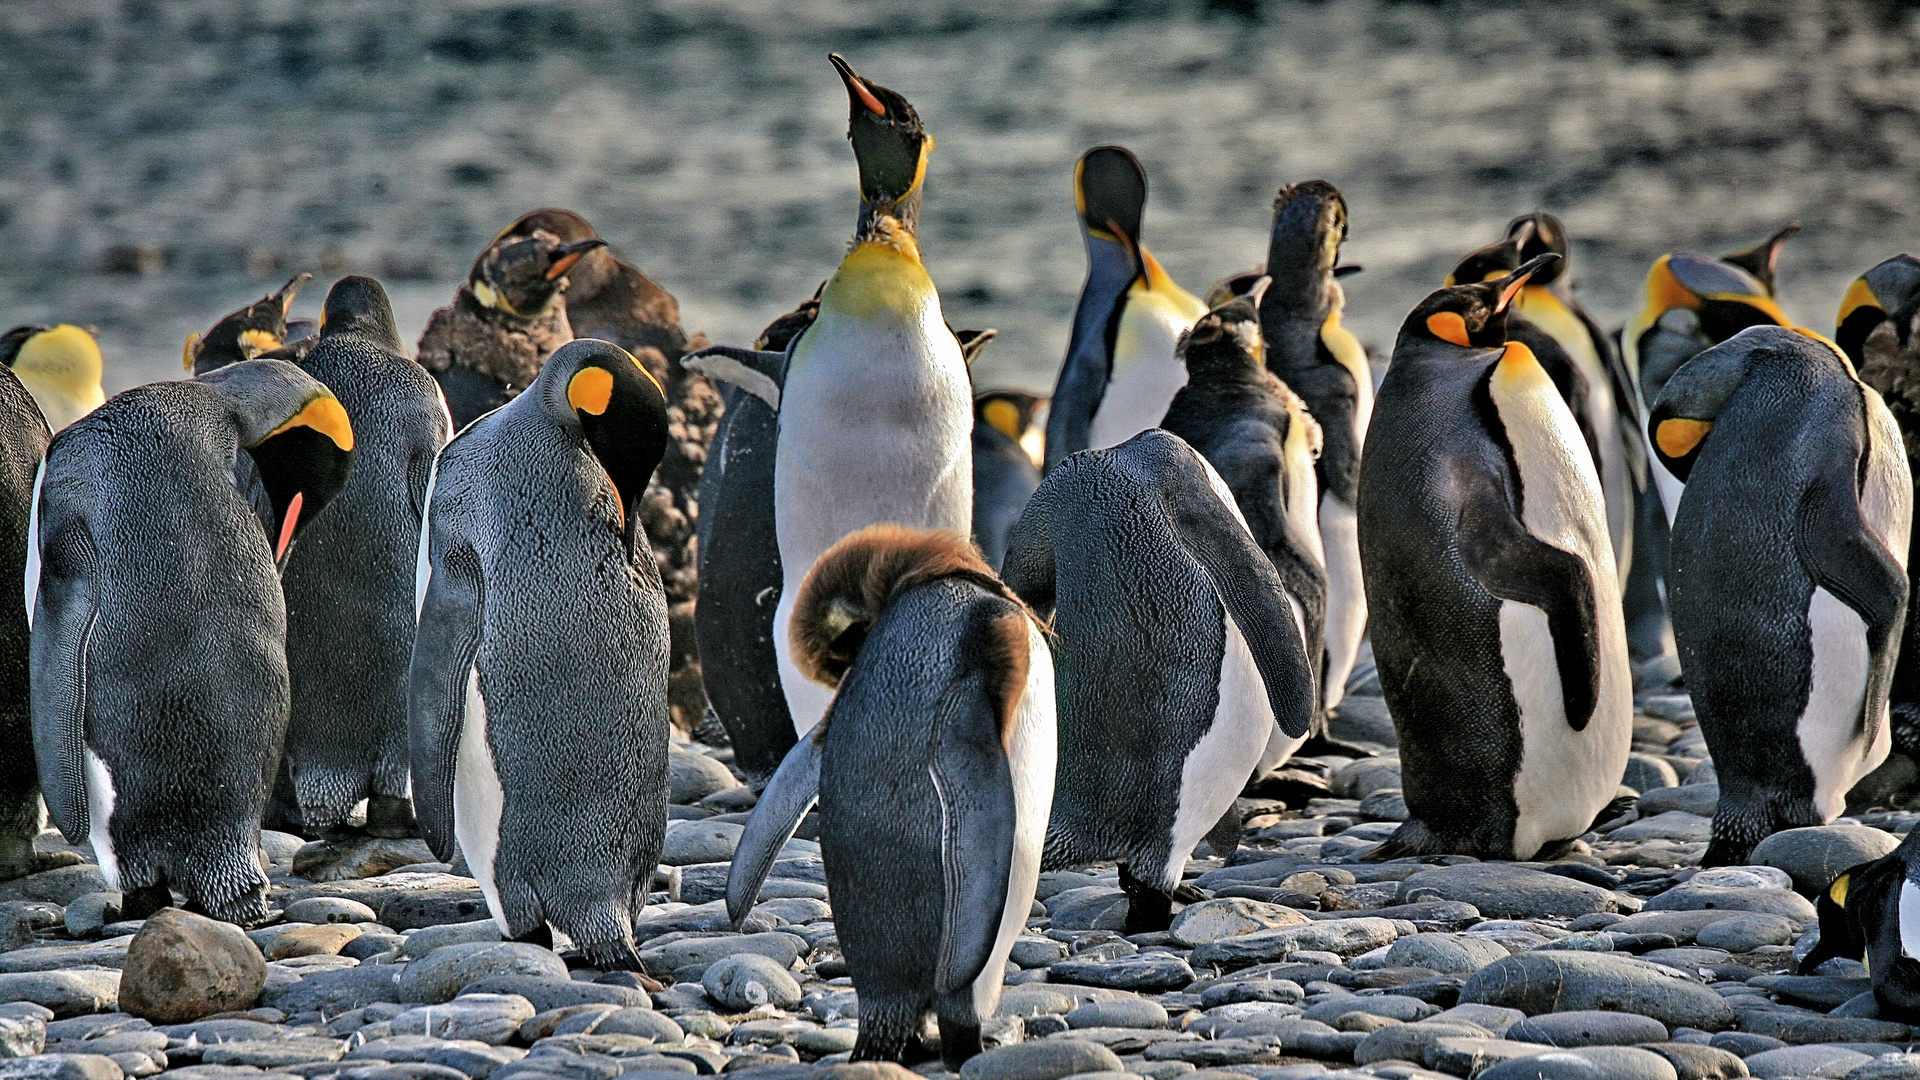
x,y
1322,743
1410,839
958,1042
541,935
1149,911
1613,809
609,956
390,817
144,901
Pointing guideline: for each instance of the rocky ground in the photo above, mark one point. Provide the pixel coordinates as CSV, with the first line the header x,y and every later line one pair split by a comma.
x,y
1622,960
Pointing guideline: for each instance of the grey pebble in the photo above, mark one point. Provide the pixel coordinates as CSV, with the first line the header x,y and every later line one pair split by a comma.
x,y
1589,1063
1815,856
1589,1027
1797,1061
748,981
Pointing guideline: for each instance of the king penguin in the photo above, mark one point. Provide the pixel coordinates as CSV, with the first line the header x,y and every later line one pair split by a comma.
x,y
1871,913
1177,650
1262,440
1120,372
23,444
163,516
59,366
244,333
1004,470
1322,361
1496,623
349,585
1787,580
537,707
944,685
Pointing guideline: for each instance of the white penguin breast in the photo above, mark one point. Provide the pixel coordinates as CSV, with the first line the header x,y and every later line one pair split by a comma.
x,y
1831,740
1346,594
478,799
100,801
1145,373
1219,764
32,581
1909,919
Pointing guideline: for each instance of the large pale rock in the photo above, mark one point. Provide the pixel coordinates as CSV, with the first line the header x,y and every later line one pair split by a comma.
x,y
1212,920
1815,856
692,776
1505,891
442,974
1553,981
1345,937
489,1018
181,967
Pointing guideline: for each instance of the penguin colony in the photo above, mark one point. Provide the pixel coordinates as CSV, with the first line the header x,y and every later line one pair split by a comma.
x,y
985,633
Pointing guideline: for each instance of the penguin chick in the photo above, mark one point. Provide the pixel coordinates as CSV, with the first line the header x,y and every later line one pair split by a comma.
x,y
245,333
1261,439
60,366
1004,474
505,320
945,689
1787,582
349,586
1871,913
163,516
537,701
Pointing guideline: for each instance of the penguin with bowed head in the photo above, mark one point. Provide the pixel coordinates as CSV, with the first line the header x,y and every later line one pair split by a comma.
x,y
945,688
1787,580
537,703
1490,579
163,758
1871,913
349,585
1178,648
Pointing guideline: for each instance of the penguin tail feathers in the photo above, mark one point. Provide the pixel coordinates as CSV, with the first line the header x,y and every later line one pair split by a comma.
x,y
613,956
852,585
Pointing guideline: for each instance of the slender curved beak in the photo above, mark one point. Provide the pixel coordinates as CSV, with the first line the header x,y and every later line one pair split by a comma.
x,y
568,254
856,86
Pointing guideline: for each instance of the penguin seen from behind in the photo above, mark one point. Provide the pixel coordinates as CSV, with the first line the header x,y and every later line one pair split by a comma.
x,y
244,333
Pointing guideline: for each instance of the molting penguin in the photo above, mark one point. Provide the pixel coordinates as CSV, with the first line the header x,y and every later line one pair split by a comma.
x,y
537,710
1120,372
1490,577
59,366
1787,579
23,444
1178,648
740,578
505,320
162,756
1004,472
1323,362
1261,439
945,688
349,585
244,333
1871,913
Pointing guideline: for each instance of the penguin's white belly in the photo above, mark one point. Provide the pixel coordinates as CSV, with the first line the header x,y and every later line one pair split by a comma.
x,y
1831,739
1565,776
1220,763
1031,755
1668,485
1909,919
100,799
32,582
1346,594
1146,373
478,799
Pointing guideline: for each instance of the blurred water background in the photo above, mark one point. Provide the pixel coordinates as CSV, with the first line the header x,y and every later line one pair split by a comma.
x,y
164,161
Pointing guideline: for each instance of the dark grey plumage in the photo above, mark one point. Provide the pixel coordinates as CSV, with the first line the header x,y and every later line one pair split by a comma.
x,y
23,443
349,586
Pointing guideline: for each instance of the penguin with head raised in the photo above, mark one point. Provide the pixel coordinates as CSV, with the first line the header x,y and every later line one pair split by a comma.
x,y
1787,576
1120,372
23,444
1004,471
349,585
944,686
505,320
1263,442
1178,648
1322,362
162,757
246,332
1496,619
1871,913
59,366
537,703
875,412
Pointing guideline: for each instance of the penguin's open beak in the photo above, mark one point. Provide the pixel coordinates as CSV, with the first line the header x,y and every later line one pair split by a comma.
x,y
857,88
567,254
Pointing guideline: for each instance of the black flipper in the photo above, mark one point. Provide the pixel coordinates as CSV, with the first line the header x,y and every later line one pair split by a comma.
x,y
1513,564
794,789
443,652
759,372
63,629
1842,554
974,780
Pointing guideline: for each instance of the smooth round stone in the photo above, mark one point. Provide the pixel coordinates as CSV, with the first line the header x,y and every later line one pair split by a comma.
x,y
1589,1063
1504,891
1047,1060
1815,856
1646,772
1392,1006
89,913
747,981
408,1048
1146,971
1691,897
1671,825
1097,907
1588,1027
1689,959
442,974
1361,778
328,909
693,776
1448,954
428,938
644,1022
1252,991
1212,920
1541,982
1746,932
182,966
1798,1061
1743,877
1699,1062
489,1018
1119,1013
1699,799
1745,1043
1891,1067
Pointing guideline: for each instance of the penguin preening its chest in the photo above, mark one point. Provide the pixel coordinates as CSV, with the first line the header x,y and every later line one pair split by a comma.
x,y
1322,361
1787,580
1177,650
349,585
1120,372
59,366
505,320
244,333
23,444
1871,913
1490,581
160,517
537,705
945,694
1262,441
1004,472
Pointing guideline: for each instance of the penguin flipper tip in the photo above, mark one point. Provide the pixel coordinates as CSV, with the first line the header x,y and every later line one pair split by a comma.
x,y
757,372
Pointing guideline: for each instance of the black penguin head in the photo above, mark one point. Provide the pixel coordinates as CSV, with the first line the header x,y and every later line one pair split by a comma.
x,y
595,269
1763,258
522,276
1496,260
1693,398
1227,338
358,305
1724,298
244,334
298,435
1472,315
1010,412
1541,233
1889,288
65,357
889,144
600,389
1303,249
1110,193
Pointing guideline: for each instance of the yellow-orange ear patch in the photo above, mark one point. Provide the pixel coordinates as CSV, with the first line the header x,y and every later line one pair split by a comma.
x,y
191,351
1679,437
1838,891
590,389
1004,415
325,415
1664,291
1449,326
1859,295
255,342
